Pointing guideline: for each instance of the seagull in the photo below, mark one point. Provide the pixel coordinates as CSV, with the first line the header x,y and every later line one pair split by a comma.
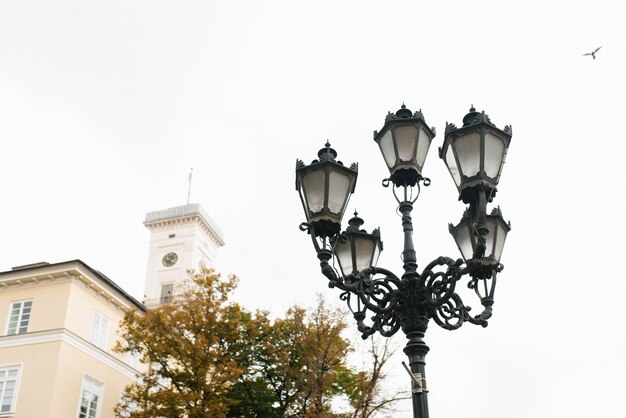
x,y
593,54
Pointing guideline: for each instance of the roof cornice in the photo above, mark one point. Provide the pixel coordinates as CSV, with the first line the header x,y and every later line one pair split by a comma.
x,y
187,213
74,270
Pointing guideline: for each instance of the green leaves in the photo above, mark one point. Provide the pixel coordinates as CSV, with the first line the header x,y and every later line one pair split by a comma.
x,y
206,356
190,348
300,360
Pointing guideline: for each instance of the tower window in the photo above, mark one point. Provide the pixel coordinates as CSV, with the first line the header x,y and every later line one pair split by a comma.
x,y
166,292
172,236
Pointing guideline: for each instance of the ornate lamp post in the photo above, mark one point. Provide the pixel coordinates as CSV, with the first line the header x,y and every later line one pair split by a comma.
x,y
379,300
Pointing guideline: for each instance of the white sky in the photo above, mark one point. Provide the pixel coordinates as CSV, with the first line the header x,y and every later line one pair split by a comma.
x,y
104,106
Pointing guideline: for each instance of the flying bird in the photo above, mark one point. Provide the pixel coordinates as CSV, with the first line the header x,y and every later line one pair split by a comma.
x,y
593,54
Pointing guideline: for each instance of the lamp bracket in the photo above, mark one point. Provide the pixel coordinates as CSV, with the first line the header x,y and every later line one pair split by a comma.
x,y
389,303
418,383
410,192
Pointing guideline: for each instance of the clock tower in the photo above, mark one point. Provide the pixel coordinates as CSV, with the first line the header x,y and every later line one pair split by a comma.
x,y
181,238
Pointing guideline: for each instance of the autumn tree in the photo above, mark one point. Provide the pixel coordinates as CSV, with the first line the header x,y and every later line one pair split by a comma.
x,y
365,393
300,368
193,349
209,357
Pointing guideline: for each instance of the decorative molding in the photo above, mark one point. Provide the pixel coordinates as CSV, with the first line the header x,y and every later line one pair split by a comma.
x,y
182,214
78,272
68,337
31,281
190,220
99,292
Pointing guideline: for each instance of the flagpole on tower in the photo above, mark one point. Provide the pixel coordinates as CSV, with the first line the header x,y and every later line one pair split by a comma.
x,y
189,190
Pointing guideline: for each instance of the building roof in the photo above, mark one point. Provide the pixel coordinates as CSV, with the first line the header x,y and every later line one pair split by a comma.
x,y
185,211
35,268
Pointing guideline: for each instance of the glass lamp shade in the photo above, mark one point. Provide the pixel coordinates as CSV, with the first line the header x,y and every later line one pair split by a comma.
x,y
475,153
355,249
325,187
404,142
466,239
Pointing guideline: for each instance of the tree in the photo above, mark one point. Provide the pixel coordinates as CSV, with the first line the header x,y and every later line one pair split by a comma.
x,y
305,360
252,394
209,357
193,348
299,369
365,391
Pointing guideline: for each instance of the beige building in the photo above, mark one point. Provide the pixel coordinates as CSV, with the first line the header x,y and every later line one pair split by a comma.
x,y
59,322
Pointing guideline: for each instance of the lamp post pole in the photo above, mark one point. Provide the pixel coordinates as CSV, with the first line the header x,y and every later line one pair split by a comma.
x,y
379,300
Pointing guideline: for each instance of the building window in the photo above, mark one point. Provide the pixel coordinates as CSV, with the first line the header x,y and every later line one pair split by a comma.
x,y
99,328
8,388
166,292
19,316
132,359
90,398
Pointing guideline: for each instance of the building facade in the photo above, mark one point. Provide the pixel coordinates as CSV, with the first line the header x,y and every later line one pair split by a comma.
x,y
59,322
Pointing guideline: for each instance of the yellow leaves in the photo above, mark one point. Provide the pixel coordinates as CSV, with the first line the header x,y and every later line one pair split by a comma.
x,y
209,357
190,346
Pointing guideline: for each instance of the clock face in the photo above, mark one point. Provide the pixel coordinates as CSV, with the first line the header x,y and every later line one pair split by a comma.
x,y
170,259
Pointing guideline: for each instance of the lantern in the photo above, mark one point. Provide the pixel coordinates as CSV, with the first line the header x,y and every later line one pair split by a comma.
x,y
475,153
404,142
466,236
325,187
355,249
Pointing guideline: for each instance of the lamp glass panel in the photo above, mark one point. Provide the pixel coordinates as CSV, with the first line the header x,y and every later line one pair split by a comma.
x,y
376,255
494,155
344,256
500,241
468,152
304,201
406,138
451,163
386,147
422,147
363,251
464,241
492,224
338,190
314,183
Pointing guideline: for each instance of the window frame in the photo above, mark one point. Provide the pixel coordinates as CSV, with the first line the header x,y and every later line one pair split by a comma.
x,y
166,299
19,318
96,341
83,385
16,389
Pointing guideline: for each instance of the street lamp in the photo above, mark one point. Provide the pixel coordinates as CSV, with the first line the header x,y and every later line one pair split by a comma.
x,y
474,155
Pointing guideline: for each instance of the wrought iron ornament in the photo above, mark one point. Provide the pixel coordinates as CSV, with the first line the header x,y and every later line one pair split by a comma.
x,y
379,300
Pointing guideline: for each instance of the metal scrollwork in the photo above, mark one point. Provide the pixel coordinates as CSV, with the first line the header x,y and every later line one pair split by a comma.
x,y
451,314
440,285
381,302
